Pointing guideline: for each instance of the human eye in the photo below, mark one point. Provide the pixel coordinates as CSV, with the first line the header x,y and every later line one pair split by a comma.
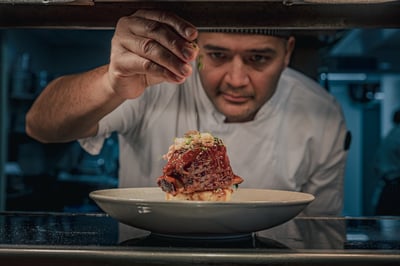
x,y
218,56
258,59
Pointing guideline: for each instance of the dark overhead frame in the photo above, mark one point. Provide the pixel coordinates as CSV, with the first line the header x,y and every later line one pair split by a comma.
x,y
272,14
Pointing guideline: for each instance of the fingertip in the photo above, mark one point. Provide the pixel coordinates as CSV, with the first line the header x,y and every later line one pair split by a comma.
x,y
178,79
191,33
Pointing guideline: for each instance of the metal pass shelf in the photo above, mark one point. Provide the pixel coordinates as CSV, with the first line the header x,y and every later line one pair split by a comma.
x,y
97,239
276,14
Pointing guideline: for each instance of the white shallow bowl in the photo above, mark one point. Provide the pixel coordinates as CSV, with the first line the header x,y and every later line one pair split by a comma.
x,y
250,210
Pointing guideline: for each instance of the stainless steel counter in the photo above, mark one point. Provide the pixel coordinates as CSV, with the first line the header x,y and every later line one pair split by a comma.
x,y
97,239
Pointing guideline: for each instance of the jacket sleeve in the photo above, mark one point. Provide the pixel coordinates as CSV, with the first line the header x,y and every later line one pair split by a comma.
x,y
121,120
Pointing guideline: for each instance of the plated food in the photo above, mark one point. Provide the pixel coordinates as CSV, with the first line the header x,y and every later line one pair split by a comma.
x,y
195,196
198,168
249,210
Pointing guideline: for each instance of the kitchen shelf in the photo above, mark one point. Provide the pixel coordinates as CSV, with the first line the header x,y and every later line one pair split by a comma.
x,y
204,14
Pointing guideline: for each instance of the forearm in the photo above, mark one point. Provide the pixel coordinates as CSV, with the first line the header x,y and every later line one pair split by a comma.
x,y
71,107
148,47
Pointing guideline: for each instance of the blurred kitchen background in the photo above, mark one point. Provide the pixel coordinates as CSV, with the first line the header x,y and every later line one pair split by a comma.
x,y
361,67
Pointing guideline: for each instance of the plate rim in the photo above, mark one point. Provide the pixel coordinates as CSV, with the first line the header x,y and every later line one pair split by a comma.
x,y
97,195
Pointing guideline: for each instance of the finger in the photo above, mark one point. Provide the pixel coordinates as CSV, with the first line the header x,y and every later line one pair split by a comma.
x,y
162,33
128,64
181,26
156,53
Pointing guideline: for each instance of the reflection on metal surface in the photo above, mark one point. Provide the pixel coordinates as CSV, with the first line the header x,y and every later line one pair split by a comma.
x,y
47,2
294,2
347,1
35,1
247,241
91,239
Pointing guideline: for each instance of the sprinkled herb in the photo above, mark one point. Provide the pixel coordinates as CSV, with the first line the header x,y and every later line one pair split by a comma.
x,y
200,62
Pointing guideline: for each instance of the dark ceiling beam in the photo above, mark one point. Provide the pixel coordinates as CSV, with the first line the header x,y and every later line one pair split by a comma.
x,y
206,14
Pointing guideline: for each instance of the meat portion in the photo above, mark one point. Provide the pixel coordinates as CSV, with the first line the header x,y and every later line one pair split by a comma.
x,y
198,162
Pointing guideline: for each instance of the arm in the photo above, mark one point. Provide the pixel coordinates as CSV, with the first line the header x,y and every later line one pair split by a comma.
x,y
148,48
70,107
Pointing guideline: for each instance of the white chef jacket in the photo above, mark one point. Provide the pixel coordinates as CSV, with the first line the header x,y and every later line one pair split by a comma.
x,y
296,141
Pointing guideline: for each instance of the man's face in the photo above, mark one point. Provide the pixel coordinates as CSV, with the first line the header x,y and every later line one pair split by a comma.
x,y
240,72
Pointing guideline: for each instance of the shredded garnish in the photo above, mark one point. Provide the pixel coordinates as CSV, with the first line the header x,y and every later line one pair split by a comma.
x,y
193,139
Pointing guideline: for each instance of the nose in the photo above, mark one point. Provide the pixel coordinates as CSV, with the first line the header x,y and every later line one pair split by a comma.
x,y
237,75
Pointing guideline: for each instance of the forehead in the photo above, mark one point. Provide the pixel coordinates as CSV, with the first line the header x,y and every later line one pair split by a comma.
x,y
235,41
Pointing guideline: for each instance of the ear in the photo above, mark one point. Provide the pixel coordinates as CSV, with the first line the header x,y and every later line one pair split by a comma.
x,y
290,44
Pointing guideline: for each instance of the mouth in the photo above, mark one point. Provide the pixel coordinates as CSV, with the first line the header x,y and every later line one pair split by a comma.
x,y
236,99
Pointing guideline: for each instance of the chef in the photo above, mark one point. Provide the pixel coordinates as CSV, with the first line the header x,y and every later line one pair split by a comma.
x,y
164,78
